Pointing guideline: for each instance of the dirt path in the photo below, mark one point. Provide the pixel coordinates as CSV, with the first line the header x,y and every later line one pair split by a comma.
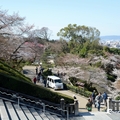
x,y
29,71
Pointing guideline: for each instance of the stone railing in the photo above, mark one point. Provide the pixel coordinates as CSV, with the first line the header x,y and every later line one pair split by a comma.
x,y
72,109
113,105
64,108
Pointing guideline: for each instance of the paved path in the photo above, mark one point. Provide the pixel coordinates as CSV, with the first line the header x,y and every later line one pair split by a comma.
x,y
30,72
84,115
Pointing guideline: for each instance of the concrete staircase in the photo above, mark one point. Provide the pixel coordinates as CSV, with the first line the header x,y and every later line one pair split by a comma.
x,y
12,108
11,111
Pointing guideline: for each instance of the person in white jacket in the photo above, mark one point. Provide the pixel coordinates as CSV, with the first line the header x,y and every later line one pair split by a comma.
x,y
98,100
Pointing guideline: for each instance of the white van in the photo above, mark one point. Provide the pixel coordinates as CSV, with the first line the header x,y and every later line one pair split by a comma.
x,y
54,82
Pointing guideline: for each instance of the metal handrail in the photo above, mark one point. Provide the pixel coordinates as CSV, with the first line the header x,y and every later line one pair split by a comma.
x,y
28,100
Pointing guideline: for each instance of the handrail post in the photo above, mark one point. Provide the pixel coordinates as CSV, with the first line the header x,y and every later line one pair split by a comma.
x,y
109,105
62,105
67,114
18,102
76,107
43,107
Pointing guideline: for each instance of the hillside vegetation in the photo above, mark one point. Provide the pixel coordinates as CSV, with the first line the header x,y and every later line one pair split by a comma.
x,y
78,50
13,80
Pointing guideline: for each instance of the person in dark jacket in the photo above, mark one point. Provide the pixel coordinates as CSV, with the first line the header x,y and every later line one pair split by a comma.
x,y
98,99
93,97
36,69
105,96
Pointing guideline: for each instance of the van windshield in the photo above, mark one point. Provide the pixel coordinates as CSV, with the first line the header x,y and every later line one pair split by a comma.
x,y
58,81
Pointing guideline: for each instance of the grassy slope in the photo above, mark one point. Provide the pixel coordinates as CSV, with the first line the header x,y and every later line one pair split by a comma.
x,y
13,80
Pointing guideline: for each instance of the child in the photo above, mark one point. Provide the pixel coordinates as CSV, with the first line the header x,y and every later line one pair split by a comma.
x,y
89,105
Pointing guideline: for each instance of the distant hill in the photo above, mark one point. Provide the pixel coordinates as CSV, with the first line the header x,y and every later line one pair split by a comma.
x,y
110,37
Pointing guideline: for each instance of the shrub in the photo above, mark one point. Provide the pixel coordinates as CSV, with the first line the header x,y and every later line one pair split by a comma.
x,y
87,86
117,98
13,80
80,91
97,64
47,72
73,80
106,49
32,89
111,77
96,52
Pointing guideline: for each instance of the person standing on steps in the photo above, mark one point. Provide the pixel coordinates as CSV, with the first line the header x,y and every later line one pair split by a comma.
x,y
98,99
105,96
93,97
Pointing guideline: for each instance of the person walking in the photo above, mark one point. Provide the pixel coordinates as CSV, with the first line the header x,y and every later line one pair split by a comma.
x,y
44,83
34,80
38,76
105,96
93,98
98,101
36,69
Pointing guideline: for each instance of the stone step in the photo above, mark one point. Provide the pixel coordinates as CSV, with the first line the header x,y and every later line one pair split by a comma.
x,y
27,113
56,117
35,114
43,115
3,111
49,116
95,116
20,112
11,110
114,116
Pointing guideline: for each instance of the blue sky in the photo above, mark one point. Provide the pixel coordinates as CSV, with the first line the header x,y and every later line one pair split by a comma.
x,y
56,14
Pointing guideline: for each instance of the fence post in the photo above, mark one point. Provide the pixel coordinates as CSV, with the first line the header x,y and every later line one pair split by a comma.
x,y
18,102
67,114
109,105
43,107
62,104
76,104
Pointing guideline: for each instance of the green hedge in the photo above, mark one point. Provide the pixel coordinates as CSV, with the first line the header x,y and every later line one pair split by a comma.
x,y
80,91
117,98
32,89
13,80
